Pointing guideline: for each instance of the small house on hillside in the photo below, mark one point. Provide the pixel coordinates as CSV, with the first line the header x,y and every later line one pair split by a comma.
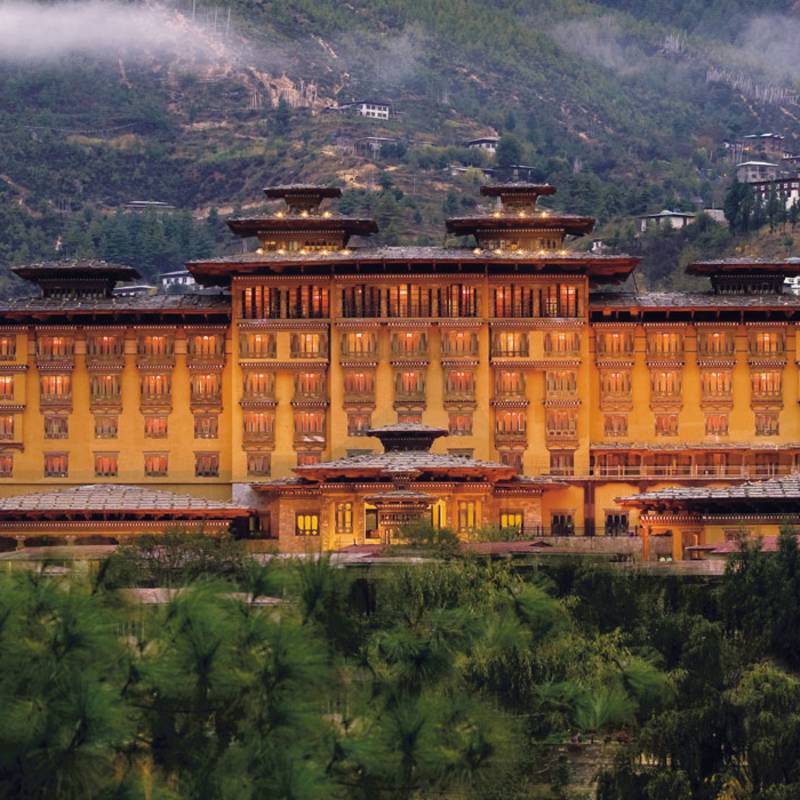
x,y
488,143
753,171
372,109
666,218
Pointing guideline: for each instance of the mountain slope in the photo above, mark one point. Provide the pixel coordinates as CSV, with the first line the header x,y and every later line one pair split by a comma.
x,y
623,105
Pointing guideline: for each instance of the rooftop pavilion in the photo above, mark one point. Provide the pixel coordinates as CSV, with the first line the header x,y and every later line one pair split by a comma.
x,y
76,277
302,227
516,224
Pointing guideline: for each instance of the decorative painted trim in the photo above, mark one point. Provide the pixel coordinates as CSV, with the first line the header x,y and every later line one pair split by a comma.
x,y
537,323
311,325
7,368
612,363
358,364
420,363
356,323
509,403
554,403
529,363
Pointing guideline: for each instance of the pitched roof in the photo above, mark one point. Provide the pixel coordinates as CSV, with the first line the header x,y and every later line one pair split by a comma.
x,y
690,300
76,267
421,461
116,499
783,492
156,303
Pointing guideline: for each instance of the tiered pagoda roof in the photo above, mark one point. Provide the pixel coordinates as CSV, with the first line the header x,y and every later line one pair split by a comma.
x,y
517,213
736,284
303,215
406,455
76,276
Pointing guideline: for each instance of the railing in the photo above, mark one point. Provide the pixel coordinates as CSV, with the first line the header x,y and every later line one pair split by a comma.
x,y
695,471
530,532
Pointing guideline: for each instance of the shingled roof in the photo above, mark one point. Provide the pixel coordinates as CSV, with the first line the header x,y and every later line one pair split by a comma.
x,y
112,500
689,300
779,494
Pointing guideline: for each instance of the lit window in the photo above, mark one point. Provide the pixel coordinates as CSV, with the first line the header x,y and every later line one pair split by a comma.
x,y
308,345
359,382
666,383
105,388
6,465
562,381
665,344
56,465
306,524
309,422
257,345
767,423
358,423
511,520
510,344
666,424
562,463
56,388
156,465
615,425
410,384
467,516
258,425
716,343
259,464
309,384
56,426
460,382
509,384
159,346
54,347
105,465
512,458
105,346
6,387
206,426
205,345
511,421
412,417
344,518
460,424
206,387
8,348
155,427
105,427
359,344
7,426
409,343
156,387
562,344
716,425
767,384
460,343
614,343
206,465
259,385
308,458
561,423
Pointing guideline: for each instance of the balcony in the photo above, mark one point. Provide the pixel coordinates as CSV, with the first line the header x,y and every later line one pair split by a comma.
x,y
691,472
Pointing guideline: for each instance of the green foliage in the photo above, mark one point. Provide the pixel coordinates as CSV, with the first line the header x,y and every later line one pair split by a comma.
x,y
175,559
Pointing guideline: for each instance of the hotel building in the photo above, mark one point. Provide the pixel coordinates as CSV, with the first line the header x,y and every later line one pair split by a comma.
x,y
511,381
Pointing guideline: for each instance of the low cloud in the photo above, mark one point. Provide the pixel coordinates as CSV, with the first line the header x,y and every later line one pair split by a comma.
x,y
34,32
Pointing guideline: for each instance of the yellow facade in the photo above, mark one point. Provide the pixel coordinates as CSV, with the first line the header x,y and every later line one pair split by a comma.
x,y
524,359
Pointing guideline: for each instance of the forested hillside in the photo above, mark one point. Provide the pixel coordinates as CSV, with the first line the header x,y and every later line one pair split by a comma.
x,y
624,105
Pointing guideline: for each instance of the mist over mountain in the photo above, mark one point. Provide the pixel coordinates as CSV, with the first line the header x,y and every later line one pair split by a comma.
x,y
624,105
